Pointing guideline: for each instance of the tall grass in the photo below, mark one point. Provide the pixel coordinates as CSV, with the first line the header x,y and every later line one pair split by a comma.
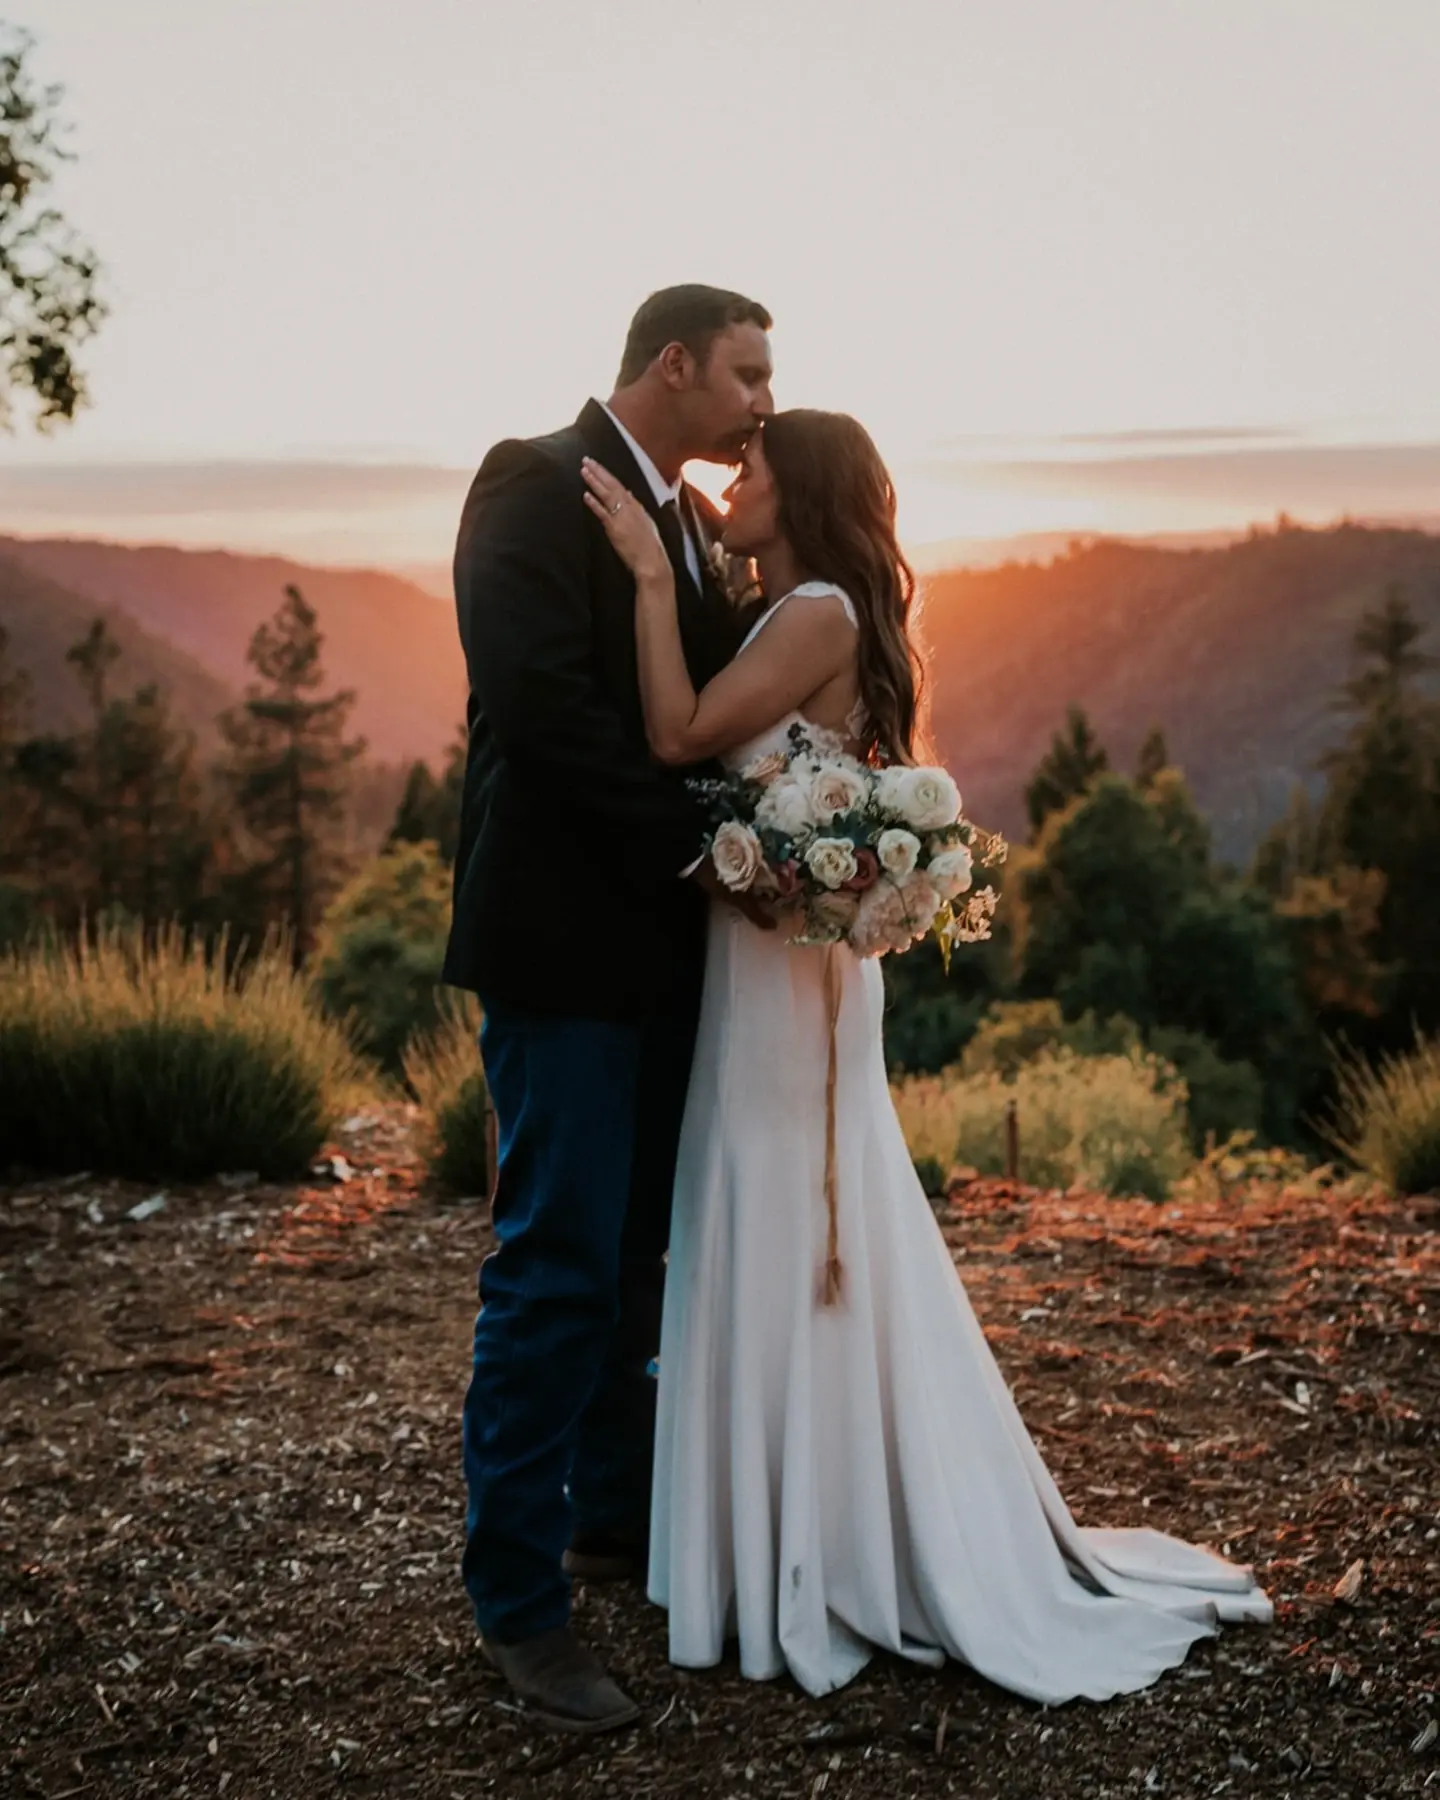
x,y
1386,1117
1116,1123
443,1068
149,1056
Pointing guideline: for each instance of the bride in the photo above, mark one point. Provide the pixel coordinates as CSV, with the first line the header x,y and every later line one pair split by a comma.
x,y
835,1479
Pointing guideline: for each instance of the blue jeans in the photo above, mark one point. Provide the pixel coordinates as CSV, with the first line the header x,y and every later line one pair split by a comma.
x,y
559,1424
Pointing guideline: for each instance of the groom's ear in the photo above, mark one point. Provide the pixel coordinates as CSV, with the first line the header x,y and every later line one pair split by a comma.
x,y
677,365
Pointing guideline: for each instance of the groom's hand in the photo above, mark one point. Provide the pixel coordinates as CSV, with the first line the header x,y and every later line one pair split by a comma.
x,y
753,910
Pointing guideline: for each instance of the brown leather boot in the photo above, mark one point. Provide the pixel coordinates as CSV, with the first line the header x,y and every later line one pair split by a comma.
x,y
605,1556
562,1683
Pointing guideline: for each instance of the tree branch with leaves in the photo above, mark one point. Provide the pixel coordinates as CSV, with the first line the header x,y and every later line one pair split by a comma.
x,y
50,303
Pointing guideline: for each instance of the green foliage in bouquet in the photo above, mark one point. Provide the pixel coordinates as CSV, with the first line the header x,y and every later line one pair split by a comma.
x,y
1115,1123
380,946
443,1068
1386,1117
843,852
150,1056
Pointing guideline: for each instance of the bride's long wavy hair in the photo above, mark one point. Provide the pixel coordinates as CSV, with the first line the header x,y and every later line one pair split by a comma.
x,y
836,507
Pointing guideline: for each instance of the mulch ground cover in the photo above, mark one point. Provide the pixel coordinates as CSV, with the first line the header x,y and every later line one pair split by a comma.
x,y
230,1505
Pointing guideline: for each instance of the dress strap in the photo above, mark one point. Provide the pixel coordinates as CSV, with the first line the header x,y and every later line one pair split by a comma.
x,y
818,589
811,589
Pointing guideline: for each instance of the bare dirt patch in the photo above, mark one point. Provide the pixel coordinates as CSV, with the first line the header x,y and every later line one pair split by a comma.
x,y
230,1506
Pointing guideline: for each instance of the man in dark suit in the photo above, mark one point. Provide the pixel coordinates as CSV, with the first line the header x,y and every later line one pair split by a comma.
x,y
578,922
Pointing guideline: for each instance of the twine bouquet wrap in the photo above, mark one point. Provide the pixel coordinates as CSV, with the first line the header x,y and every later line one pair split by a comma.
x,y
846,855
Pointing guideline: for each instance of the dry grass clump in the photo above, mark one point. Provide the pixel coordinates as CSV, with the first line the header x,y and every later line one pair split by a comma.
x,y
443,1068
147,1055
1386,1118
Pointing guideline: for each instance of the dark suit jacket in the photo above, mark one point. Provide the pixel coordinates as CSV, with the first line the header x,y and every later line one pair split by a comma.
x,y
568,896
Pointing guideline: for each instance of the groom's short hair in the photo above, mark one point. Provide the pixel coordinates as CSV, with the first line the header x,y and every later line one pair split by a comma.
x,y
692,315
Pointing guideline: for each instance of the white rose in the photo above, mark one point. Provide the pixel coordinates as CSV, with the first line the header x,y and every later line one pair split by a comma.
x,y
950,871
836,789
737,855
898,852
932,799
831,861
926,799
785,807
890,786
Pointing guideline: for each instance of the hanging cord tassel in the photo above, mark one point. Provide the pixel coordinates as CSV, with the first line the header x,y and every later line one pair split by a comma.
x,y
834,1269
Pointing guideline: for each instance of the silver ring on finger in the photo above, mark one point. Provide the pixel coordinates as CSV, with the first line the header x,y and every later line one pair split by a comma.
x,y
615,508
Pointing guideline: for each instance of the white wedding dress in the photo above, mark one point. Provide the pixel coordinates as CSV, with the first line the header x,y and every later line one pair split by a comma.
x,y
832,1480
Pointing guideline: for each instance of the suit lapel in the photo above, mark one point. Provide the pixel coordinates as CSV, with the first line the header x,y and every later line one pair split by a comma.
x,y
607,446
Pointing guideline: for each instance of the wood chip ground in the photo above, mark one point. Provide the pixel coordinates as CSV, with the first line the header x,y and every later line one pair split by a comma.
x,y
230,1506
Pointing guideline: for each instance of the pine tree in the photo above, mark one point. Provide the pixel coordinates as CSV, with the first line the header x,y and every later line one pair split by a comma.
x,y
1154,757
1067,769
429,810
14,724
157,814
17,905
1382,805
286,773
89,789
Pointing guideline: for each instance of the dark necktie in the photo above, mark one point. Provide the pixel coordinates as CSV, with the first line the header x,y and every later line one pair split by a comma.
x,y
672,536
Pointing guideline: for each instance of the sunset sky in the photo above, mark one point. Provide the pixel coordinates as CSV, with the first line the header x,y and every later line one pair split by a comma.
x,y
1111,264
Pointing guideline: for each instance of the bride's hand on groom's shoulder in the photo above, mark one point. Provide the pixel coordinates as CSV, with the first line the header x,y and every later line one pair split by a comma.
x,y
627,524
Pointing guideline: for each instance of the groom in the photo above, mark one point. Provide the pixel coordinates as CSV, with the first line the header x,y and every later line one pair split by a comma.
x,y
576,925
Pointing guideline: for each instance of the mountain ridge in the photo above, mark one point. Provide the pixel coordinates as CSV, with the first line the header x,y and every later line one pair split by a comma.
x,y
384,637
1235,650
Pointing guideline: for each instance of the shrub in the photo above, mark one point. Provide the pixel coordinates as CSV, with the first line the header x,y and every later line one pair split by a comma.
x,y
1386,1117
1013,1033
443,1067
150,1057
1226,1098
1239,1165
1116,1123
380,946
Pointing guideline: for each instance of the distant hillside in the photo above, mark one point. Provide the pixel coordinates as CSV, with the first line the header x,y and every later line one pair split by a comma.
x,y
44,619
391,642
1235,652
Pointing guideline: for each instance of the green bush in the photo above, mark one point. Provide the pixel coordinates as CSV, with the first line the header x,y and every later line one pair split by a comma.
x,y
151,1058
380,946
1116,1123
1226,1098
443,1067
1386,1118
1015,1032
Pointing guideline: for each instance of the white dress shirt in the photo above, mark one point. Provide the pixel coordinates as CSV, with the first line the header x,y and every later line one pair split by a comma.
x,y
663,491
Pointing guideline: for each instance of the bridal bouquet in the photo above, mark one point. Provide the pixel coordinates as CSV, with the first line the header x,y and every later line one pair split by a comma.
x,y
873,858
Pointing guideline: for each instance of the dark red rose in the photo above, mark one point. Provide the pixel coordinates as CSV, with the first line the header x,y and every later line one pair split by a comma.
x,y
867,873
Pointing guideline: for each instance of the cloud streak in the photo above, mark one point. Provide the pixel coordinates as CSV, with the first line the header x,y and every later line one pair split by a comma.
x,y
1335,478
112,491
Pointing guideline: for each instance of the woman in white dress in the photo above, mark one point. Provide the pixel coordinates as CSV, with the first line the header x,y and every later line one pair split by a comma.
x,y
835,1479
